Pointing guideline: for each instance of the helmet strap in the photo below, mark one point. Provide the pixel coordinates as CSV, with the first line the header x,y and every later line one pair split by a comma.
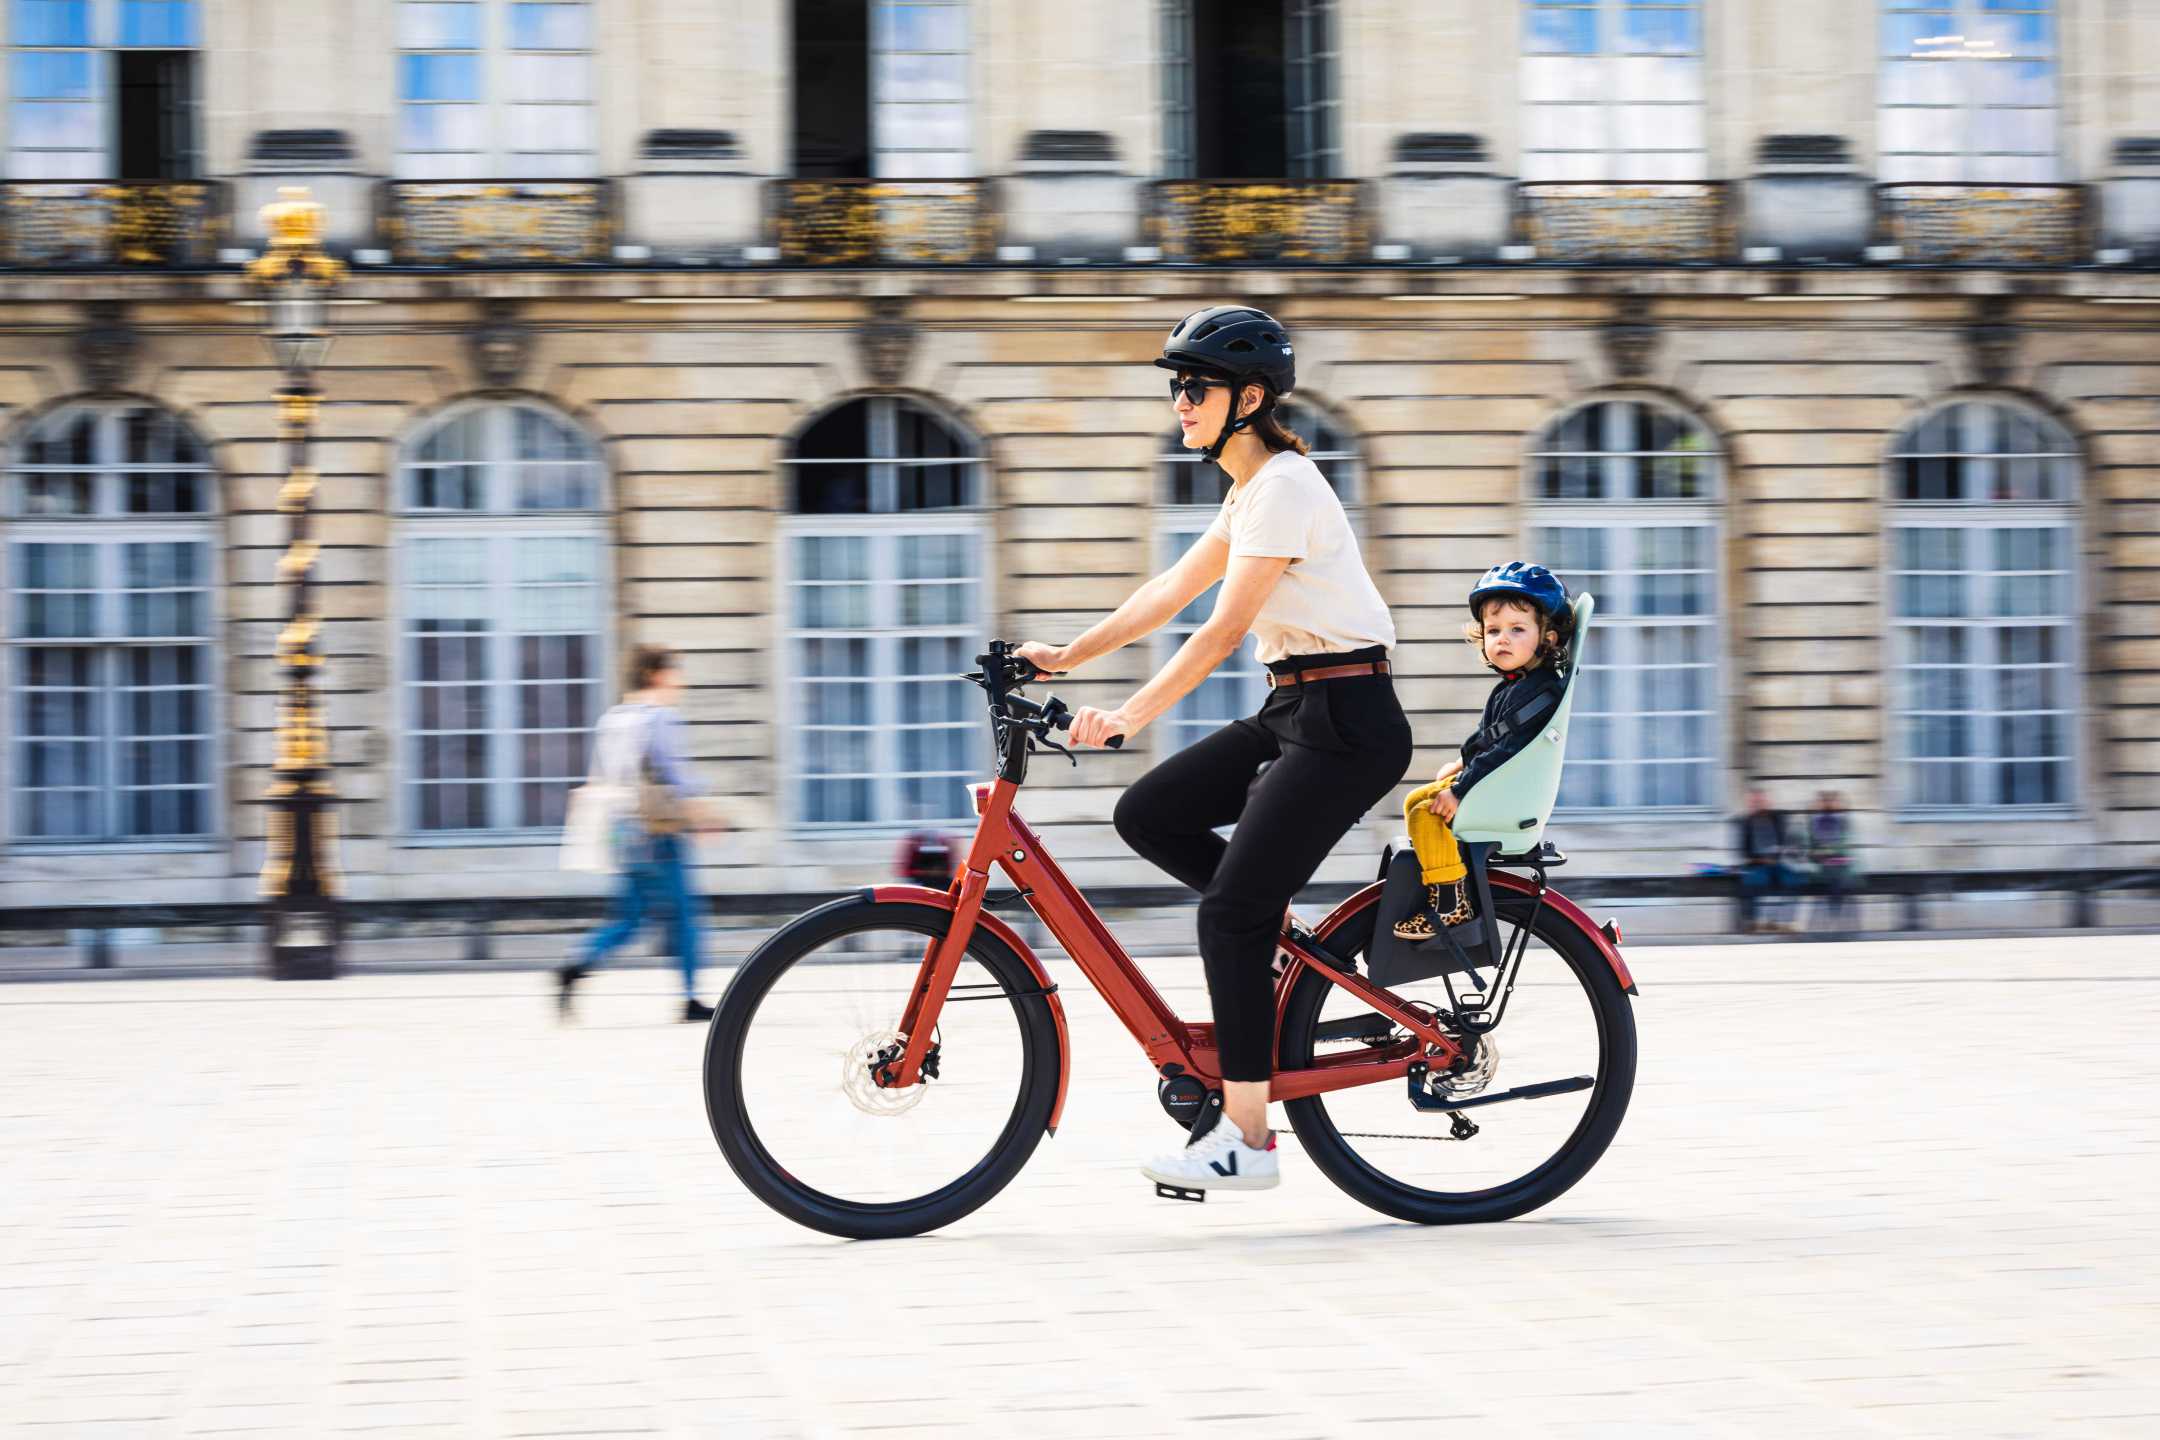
x,y
1238,422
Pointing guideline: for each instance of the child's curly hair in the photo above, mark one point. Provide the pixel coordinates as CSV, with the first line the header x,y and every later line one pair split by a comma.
x,y
1556,631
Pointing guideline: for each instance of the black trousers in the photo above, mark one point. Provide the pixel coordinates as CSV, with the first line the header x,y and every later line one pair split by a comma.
x,y
1331,750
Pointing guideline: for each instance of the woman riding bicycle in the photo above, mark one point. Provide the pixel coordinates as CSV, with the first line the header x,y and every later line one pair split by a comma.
x,y
1329,742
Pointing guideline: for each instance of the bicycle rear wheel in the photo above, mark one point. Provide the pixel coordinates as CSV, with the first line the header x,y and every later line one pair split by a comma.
x,y
790,1052
1567,1018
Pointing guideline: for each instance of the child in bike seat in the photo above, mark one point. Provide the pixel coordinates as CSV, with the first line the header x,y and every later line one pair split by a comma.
x,y
1521,624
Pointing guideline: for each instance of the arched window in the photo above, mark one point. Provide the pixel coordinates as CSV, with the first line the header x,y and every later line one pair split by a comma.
x,y
884,604
503,599
1624,499
1192,491
110,579
1982,543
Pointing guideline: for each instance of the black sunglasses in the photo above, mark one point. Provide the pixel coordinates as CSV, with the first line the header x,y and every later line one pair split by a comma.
x,y
1195,390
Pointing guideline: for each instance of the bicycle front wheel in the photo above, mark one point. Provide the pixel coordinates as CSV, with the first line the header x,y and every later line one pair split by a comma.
x,y
1567,1020
794,1042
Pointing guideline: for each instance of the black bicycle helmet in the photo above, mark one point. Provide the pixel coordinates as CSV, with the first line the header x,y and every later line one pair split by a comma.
x,y
1238,343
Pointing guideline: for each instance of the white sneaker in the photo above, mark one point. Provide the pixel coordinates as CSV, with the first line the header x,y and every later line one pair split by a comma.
x,y
1217,1158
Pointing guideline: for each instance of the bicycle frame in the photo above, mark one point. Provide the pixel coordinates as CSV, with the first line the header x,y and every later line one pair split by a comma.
x,y
1005,841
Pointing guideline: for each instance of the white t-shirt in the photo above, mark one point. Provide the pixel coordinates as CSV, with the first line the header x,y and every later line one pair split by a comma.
x,y
1325,603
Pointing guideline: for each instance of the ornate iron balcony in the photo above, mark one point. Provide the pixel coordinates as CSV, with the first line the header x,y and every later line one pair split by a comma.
x,y
883,222
1984,224
499,222
69,224
1231,222
1652,223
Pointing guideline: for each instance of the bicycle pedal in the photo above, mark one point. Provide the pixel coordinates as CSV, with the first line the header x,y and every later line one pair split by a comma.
x,y
1179,1192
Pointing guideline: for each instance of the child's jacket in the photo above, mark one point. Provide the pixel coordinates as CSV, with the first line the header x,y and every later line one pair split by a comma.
x,y
1515,713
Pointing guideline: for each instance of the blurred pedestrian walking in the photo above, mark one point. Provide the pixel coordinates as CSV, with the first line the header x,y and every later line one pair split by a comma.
x,y
642,792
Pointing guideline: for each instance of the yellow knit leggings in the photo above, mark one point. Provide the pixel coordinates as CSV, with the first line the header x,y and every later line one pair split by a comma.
x,y
1438,856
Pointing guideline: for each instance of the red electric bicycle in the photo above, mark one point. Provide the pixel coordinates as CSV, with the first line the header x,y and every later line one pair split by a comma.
x,y
886,1063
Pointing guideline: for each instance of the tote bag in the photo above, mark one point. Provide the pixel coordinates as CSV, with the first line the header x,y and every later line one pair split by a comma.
x,y
588,842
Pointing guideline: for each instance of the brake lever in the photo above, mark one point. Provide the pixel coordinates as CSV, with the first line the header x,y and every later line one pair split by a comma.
x,y
1048,744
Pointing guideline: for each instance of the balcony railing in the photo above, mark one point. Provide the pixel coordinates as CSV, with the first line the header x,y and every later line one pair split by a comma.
x,y
883,222
1984,224
71,224
1235,222
1652,223
498,222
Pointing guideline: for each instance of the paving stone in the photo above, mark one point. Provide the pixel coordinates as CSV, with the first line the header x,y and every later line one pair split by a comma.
x,y
1860,1192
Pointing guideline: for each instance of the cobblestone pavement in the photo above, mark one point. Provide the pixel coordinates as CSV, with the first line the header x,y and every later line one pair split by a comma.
x,y
1895,1189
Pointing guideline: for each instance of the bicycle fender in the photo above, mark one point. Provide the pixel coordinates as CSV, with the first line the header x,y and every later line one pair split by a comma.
x,y
943,900
1567,909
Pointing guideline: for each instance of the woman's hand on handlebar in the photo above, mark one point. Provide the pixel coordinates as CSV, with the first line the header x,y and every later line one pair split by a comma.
x,y
1095,728
1049,659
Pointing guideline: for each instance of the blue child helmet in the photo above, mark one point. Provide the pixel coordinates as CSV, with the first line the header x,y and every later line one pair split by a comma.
x,y
1533,583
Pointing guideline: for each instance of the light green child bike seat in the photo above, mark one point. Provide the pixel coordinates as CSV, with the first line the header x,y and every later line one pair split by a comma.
x,y
1509,807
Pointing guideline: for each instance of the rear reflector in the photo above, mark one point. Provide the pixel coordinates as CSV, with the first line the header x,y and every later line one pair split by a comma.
x,y
1612,932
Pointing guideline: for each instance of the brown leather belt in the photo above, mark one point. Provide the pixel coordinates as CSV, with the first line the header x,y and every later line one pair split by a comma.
x,y
1329,672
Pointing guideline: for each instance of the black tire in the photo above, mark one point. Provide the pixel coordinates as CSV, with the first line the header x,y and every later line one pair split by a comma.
x,y
1340,1161
750,1157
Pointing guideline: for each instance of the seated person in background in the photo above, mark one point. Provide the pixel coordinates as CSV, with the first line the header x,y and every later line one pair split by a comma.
x,y
1521,624
1765,879
1829,850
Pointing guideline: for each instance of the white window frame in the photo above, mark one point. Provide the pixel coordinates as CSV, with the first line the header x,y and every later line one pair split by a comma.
x,y
1177,526
1976,521
108,528
889,160
1602,162
885,524
497,159
885,677
1960,19
103,43
1613,647
499,528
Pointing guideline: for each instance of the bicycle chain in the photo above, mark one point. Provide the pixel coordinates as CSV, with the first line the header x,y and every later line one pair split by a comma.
x,y
1374,1135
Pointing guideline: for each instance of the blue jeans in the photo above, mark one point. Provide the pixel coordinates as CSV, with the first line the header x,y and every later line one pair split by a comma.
x,y
1768,886
655,876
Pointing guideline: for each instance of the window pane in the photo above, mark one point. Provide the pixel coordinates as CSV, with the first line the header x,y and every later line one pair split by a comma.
x,y
440,77
1559,29
54,75
51,22
550,26
439,25
549,78
158,24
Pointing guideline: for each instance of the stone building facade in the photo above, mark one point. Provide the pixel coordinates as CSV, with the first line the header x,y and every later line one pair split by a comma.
x,y
812,339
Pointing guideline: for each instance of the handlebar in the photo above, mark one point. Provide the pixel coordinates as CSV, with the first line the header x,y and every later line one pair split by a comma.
x,y
1003,673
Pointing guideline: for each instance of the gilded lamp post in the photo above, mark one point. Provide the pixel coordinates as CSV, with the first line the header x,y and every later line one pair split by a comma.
x,y
299,878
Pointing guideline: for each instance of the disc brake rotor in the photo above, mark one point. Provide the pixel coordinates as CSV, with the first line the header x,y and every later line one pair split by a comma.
x,y
1462,1084
858,1079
